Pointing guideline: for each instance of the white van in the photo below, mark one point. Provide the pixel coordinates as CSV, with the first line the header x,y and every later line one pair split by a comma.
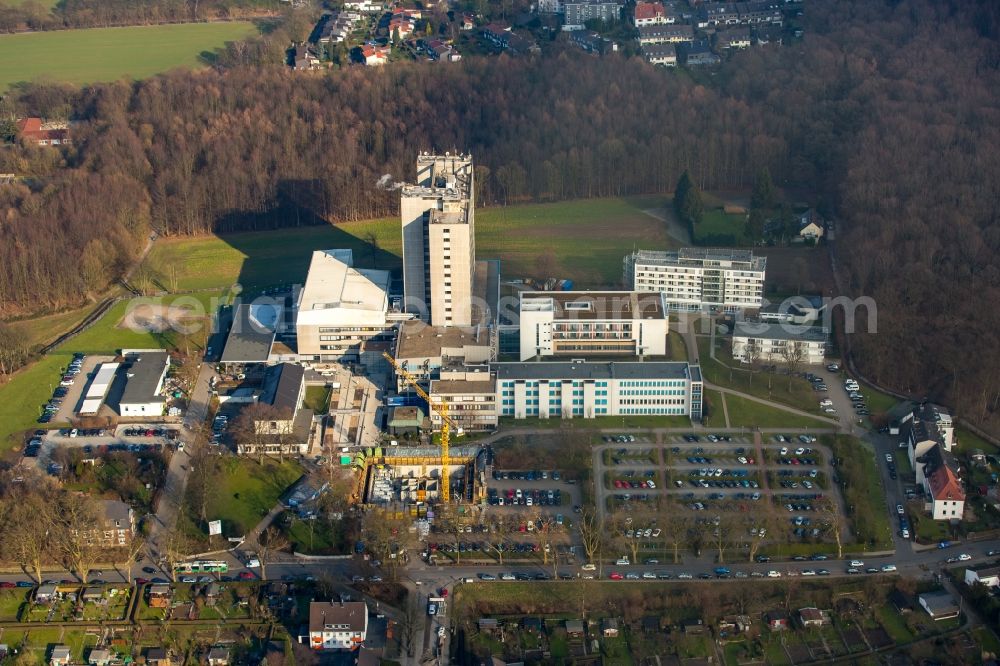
x,y
589,567
622,561
252,561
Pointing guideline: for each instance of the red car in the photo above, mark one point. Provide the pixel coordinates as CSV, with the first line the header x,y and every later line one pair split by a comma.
x,y
246,575
618,484
7,583
616,576
443,592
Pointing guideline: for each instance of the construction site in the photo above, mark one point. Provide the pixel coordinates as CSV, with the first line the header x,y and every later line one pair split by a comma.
x,y
410,479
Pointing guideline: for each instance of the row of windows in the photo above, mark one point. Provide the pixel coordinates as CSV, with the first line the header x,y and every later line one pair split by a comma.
x,y
654,392
654,383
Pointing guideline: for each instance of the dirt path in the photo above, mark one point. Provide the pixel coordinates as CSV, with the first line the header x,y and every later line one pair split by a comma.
x,y
674,228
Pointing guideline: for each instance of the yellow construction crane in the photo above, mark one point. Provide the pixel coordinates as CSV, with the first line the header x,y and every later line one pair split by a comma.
x,y
446,425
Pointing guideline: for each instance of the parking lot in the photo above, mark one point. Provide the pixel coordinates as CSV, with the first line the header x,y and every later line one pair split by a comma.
x,y
134,438
719,477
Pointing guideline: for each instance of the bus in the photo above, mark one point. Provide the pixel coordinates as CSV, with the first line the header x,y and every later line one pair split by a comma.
x,y
201,566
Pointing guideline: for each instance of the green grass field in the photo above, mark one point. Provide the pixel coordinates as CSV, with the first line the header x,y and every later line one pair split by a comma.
x,y
743,412
581,240
246,491
717,416
718,228
42,330
317,399
107,54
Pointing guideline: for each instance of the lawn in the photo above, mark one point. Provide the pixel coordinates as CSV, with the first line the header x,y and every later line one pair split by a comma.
x,y
317,399
894,624
108,54
245,491
970,442
862,491
10,603
317,537
42,330
676,347
581,240
744,412
716,415
718,228
723,371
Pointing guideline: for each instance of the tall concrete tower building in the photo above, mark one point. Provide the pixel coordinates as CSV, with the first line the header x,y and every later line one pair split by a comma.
x,y
439,240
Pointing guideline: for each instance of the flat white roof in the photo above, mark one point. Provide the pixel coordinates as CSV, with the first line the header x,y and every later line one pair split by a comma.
x,y
102,381
336,292
91,405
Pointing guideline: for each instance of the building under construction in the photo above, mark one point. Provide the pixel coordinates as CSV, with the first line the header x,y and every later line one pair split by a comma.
x,y
409,478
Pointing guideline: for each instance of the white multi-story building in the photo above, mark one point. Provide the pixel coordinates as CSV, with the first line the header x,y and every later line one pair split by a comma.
x,y
693,279
337,625
588,390
439,240
341,309
592,323
777,342
471,396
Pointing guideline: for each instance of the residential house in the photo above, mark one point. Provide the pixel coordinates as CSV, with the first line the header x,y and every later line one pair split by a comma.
x,y
574,628
609,627
212,591
693,627
711,14
159,596
489,625
650,624
768,34
930,435
519,44
731,625
988,576
218,656
497,34
939,605
813,617
158,657
304,58
46,593
92,595
591,42
440,51
468,22
776,620
286,429
810,224
734,38
364,6
60,655
374,55
946,493
760,12
650,13
117,524
531,624
35,131
337,626
665,34
699,53
99,657
660,54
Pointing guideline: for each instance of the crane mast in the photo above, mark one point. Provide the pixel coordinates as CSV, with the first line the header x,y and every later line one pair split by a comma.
x,y
446,424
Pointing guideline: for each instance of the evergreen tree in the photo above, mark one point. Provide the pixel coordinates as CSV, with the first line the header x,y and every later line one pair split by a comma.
x,y
755,226
681,192
691,205
763,191
395,36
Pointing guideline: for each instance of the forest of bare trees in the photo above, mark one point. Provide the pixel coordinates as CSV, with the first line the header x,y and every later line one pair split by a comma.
x,y
887,112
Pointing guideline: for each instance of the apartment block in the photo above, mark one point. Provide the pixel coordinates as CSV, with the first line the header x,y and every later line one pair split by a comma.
x,y
775,342
439,247
578,13
337,626
592,323
588,390
696,279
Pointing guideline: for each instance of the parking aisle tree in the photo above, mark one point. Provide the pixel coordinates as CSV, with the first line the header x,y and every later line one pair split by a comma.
x,y
675,524
721,533
549,533
270,542
386,535
761,527
593,534
833,522
501,528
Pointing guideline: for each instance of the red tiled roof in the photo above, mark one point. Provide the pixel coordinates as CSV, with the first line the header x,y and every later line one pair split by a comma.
x,y
649,10
31,128
945,485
